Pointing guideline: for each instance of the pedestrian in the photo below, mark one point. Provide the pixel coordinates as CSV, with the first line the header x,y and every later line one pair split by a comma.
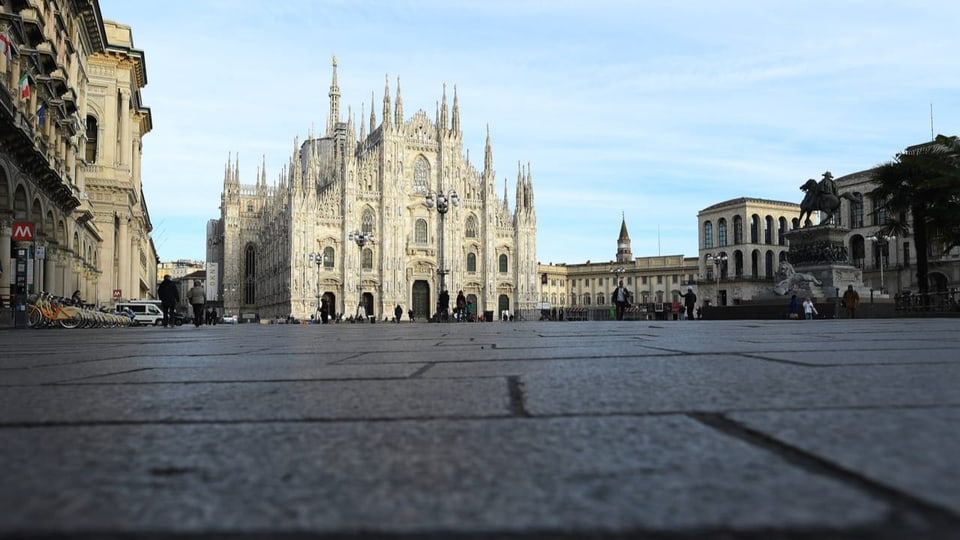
x,y
76,299
621,299
324,311
793,310
397,313
197,299
214,316
461,306
443,305
410,314
809,310
168,295
690,302
470,310
850,300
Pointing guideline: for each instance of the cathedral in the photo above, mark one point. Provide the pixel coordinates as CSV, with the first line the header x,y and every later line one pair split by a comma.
x,y
365,223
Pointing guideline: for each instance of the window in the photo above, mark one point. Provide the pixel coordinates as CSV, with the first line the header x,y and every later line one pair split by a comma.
x,y
503,263
328,257
420,231
722,232
471,228
249,275
367,262
755,229
643,280
471,262
768,231
707,234
659,280
880,216
250,207
600,299
421,173
675,278
366,222
737,230
92,131
781,239
856,211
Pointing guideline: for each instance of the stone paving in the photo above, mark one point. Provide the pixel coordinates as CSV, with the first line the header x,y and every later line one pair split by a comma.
x,y
686,429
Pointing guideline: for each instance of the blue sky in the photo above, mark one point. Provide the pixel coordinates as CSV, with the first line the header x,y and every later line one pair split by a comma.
x,y
650,110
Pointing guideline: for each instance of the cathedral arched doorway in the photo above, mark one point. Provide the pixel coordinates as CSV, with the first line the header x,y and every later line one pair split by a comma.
x,y
421,299
366,302
503,306
331,302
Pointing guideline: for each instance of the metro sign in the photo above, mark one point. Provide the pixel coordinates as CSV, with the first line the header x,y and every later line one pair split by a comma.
x,y
22,231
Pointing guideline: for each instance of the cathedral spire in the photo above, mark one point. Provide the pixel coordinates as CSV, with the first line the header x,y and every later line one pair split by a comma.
x,y
443,110
624,254
334,101
398,119
488,155
373,114
363,127
456,112
520,191
386,102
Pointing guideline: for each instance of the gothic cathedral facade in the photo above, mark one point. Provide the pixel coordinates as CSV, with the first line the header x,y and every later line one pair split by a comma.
x,y
278,250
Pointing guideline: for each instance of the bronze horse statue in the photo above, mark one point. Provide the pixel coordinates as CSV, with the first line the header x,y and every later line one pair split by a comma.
x,y
821,196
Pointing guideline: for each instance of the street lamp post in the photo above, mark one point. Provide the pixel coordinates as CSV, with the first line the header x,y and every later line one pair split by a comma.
x,y
317,259
718,261
361,240
880,241
442,203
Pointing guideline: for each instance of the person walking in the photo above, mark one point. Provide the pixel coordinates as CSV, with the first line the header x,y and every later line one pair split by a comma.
x,y
793,310
168,295
690,302
851,299
443,306
197,299
809,310
621,299
397,313
324,311
461,307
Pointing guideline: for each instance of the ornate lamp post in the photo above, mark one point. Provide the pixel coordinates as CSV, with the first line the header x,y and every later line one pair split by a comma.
x,y
880,242
443,203
317,259
361,239
719,261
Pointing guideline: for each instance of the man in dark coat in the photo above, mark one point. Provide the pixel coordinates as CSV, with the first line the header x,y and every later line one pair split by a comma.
x,y
168,295
690,302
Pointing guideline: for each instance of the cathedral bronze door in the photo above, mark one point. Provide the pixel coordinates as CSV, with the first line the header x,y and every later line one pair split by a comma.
x,y
421,300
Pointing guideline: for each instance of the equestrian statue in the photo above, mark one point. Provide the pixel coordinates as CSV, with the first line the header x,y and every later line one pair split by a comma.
x,y
822,196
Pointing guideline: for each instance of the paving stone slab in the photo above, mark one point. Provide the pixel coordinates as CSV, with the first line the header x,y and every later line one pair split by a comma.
x,y
509,475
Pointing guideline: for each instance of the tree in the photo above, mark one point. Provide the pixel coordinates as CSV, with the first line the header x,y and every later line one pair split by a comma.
x,y
920,190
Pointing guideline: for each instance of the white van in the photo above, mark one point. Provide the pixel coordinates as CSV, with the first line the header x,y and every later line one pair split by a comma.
x,y
143,313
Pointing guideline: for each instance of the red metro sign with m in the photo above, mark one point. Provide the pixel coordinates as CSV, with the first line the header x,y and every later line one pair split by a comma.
x,y
22,231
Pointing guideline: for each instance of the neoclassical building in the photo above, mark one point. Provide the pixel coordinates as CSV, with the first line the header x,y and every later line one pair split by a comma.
x,y
276,249
72,121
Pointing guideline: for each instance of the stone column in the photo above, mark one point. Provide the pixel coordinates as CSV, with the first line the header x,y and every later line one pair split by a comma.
x,y
5,261
50,268
125,148
123,257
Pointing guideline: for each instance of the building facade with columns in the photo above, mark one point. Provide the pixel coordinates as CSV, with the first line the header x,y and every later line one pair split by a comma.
x,y
278,249
653,281
72,122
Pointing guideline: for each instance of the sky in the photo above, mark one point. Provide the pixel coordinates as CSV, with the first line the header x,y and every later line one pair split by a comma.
x,y
623,109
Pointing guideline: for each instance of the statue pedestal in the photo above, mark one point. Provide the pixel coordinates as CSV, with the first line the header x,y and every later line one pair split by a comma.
x,y
821,253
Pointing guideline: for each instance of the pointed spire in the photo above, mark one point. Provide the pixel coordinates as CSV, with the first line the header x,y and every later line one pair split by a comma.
x,y
443,110
624,253
488,155
520,200
386,102
456,112
373,115
398,120
363,127
334,101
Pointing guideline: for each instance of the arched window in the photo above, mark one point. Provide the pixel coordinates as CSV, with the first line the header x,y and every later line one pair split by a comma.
x,y
471,262
737,230
250,275
421,173
367,262
768,231
707,234
471,228
503,263
880,215
420,231
768,265
755,229
722,232
366,222
781,239
586,299
91,149
328,257
856,211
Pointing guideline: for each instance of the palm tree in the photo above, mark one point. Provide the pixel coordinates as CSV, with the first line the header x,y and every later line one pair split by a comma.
x,y
922,184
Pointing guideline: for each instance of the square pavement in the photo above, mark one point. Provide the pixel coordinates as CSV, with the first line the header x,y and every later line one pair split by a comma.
x,y
844,429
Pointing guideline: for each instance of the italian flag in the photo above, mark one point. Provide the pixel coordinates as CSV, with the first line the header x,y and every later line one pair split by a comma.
x,y
24,86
